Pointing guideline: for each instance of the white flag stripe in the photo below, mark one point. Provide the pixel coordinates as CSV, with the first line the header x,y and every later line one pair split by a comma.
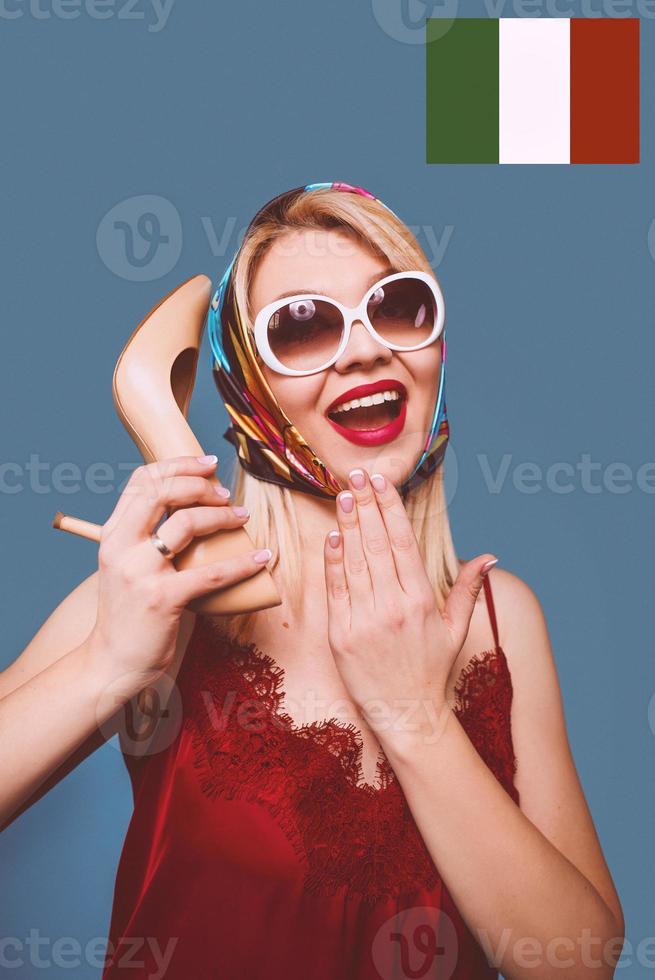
x,y
534,90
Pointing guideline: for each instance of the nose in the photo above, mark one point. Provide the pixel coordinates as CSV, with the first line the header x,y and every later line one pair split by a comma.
x,y
362,350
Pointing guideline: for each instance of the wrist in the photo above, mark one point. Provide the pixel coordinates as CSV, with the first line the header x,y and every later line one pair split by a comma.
x,y
419,729
111,684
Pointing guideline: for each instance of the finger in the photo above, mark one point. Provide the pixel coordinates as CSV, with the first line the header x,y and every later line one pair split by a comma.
x,y
154,499
375,539
355,564
142,475
145,478
193,582
179,530
338,596
410,569
461,600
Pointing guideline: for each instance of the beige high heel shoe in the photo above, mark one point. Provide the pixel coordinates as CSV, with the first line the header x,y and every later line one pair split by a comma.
x,y
152,386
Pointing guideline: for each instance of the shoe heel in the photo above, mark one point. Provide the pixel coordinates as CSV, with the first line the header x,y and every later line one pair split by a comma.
x,y
152,385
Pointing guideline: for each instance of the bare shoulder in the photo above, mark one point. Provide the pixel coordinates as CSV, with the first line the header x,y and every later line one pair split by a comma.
x,y
519,612
525,640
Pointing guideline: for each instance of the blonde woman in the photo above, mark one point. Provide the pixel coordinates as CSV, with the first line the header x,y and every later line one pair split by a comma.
x,y
372,779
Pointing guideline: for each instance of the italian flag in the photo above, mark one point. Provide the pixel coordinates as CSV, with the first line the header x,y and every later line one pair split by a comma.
x,y
532,90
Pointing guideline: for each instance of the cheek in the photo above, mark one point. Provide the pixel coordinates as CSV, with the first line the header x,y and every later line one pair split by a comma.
x,y
297,397
426,371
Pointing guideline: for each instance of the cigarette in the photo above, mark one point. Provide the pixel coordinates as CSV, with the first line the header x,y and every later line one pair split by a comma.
x,y
85,529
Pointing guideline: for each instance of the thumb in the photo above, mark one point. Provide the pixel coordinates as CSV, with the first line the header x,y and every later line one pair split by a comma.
x,y
461,600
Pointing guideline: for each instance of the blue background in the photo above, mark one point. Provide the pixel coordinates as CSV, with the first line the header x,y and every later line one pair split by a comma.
x,y
549,284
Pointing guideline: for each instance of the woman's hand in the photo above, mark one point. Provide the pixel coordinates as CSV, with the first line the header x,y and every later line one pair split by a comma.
x,y
141,595
392,646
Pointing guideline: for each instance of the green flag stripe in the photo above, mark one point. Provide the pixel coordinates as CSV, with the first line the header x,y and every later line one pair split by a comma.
x,y
462,90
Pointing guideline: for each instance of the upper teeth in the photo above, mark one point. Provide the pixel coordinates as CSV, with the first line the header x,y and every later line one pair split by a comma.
x,y
376,399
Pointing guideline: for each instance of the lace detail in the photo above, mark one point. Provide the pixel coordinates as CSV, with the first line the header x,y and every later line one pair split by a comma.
x,y
483,703
348,833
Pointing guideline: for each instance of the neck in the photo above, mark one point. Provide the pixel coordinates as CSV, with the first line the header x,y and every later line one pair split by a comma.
x,y
315,518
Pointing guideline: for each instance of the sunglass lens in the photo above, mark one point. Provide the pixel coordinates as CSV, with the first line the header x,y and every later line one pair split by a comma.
x,y
403,311
305,334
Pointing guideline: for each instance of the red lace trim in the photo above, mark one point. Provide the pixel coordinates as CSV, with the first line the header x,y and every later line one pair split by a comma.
x,y
348,833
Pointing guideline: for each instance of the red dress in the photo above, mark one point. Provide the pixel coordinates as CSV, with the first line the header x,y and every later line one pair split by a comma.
x,y
257,852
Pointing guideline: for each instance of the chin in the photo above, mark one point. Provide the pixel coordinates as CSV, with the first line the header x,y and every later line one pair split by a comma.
x,y
394,465
392,450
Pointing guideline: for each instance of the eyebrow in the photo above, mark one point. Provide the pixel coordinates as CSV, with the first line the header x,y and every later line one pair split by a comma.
x,y
388,271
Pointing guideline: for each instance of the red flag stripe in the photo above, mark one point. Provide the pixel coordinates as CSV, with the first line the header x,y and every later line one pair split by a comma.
x,y
604,90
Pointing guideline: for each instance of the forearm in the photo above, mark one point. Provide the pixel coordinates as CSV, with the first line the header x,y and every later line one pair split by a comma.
x,y
533,912
44,720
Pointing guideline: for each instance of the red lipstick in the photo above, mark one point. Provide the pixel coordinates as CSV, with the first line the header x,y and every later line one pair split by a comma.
x,y
371,437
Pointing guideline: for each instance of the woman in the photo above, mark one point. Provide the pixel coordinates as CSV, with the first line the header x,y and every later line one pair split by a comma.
x,y
372,779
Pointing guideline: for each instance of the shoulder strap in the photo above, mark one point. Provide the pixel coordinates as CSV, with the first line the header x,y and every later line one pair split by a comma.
x,y
490,608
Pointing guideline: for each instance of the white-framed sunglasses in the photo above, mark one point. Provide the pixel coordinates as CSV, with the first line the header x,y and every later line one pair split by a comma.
x,y
307,333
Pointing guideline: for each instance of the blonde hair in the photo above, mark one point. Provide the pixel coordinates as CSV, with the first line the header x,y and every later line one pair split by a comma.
x,y
273,520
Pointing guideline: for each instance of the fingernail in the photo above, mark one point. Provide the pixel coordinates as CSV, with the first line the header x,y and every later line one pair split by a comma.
x,y
346,501
357,479
262,556
207,459
333,538
222,491
378,481
241,511
489,564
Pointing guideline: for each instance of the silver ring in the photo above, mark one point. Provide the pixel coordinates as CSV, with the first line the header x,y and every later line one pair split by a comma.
x,y
160,546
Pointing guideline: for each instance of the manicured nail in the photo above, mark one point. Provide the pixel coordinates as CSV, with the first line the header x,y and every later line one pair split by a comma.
x,y
222,491
378,481
357,479
333,538
488,565
207,459
347,502
262,556
241,511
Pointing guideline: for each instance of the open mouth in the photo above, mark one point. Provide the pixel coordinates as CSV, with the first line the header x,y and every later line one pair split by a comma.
x,y
369,413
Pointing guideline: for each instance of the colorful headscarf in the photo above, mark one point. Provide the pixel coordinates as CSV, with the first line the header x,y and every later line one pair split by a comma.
x,y
267,443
